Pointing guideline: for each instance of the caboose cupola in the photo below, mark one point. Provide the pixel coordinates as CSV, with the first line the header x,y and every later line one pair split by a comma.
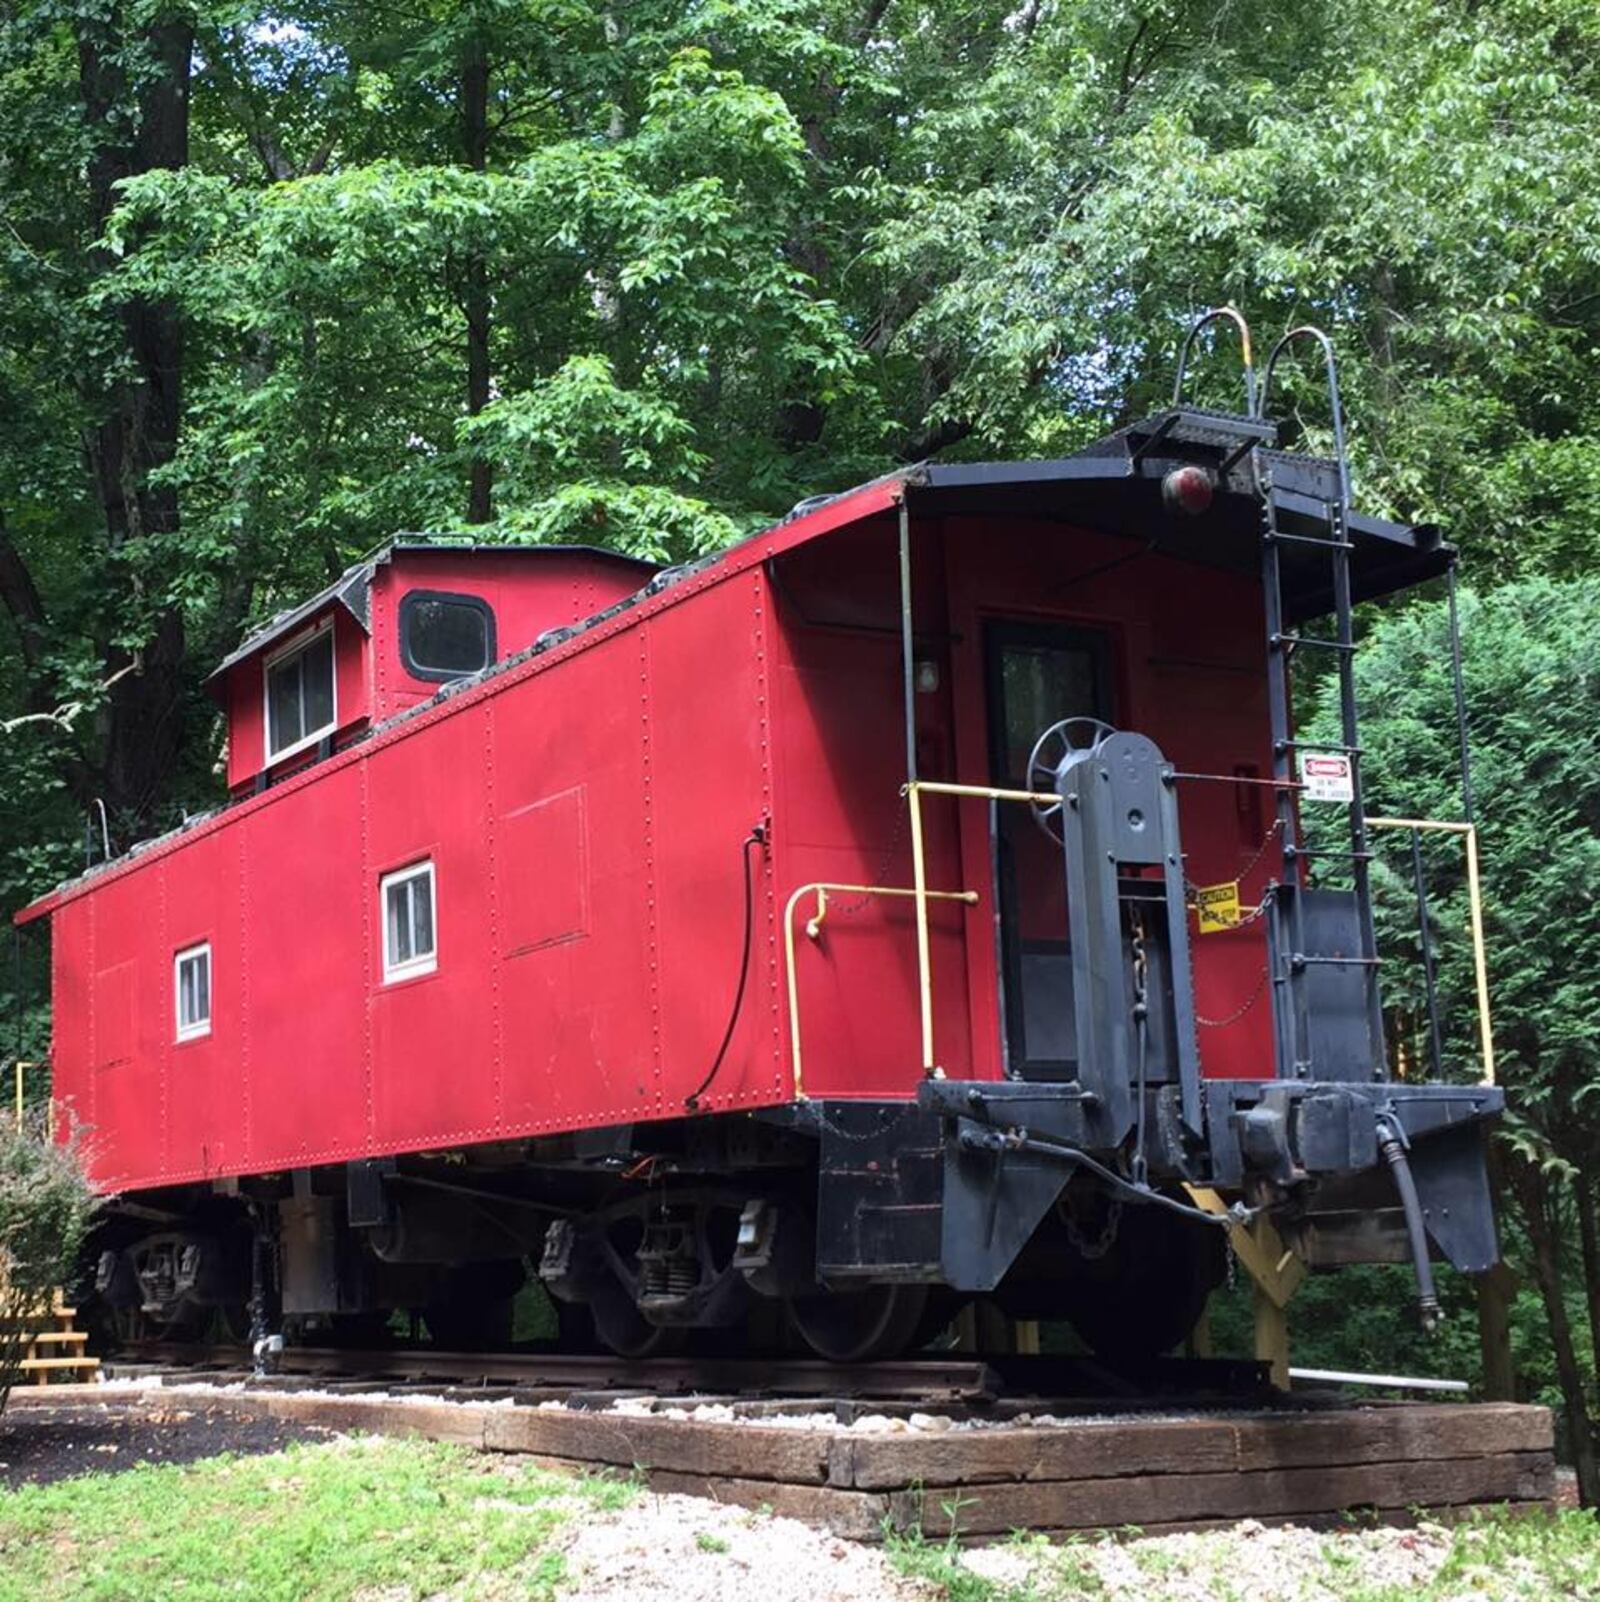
x,y
389,632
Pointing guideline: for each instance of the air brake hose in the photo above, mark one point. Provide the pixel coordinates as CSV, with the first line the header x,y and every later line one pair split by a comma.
x,y
1392,1142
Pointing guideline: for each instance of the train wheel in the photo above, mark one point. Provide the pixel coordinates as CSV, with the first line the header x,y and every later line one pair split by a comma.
x,y
621,1328
861,1326
1141,1300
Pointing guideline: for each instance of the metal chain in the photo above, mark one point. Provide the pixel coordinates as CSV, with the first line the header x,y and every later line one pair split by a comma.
x,y
1091,1249
856,905
824,1122
1238,1012
1141,1026
1190,888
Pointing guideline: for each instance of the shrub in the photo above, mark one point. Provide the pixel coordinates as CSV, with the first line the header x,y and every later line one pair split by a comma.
x,y
46,1208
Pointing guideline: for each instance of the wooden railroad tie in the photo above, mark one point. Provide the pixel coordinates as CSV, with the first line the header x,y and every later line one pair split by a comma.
x,y
1309,1463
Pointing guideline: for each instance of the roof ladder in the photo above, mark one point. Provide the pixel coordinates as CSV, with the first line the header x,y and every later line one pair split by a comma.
x,y
1218,440
1293,964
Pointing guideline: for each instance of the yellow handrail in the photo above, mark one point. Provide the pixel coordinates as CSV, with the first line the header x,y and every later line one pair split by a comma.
x,y
20,1070
913,793
822,890
1480,956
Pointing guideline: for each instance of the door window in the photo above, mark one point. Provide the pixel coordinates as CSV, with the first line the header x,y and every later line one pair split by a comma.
x,y
1038,674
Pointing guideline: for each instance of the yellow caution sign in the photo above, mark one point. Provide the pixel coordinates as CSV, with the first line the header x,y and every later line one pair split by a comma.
x,y
1218,906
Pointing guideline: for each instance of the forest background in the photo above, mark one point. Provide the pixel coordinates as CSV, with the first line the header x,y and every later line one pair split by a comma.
x,y
278,282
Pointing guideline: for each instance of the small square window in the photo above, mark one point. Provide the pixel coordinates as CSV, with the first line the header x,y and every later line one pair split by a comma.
x,y
406,900
300,695
191,973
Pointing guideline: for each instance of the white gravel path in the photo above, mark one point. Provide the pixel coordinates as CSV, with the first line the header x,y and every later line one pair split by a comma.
x,y
684,1549
1248,1562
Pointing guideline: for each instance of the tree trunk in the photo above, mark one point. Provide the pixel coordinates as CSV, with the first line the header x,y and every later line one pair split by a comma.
x,y
138,127
1589,1236
1535,1197
475,296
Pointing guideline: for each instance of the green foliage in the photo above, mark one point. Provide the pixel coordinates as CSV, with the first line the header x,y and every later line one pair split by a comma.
x,y
46,1208
319,1522
713,258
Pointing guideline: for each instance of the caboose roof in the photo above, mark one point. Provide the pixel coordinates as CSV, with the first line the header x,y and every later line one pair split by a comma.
x,y
352,589
1112,487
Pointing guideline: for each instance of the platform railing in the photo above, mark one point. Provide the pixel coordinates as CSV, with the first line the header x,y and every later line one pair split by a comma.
x,y
917,788
1467,833
914,792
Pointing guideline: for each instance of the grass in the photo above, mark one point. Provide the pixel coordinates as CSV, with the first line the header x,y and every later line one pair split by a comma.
x,y
313,1524
1492,1557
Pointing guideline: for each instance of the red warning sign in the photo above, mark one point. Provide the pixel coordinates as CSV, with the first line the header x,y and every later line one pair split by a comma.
x,y
1327,776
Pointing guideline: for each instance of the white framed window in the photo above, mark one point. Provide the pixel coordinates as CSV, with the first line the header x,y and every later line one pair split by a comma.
x,y
301,703
191,991
410,942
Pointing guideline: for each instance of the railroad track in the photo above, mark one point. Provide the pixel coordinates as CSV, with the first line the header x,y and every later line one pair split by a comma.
x,y
970,1446
994,1386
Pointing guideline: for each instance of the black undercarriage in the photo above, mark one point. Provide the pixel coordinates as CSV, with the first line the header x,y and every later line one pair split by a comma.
x,y
853,1229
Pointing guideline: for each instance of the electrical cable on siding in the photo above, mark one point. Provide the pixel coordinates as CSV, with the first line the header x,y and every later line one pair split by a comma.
x,y
756,837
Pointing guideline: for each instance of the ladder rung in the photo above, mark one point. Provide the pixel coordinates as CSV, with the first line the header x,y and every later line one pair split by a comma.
x,y
1306,539
1311,640
1300,960
1323,855
1316,745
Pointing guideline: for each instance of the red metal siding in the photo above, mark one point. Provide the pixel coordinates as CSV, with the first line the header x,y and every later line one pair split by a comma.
x,y
308,918
429,1040
204,1081
705,737
585,826
842,819
586,813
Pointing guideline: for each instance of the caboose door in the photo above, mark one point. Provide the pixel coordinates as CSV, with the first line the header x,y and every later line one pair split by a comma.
x,y
1035,674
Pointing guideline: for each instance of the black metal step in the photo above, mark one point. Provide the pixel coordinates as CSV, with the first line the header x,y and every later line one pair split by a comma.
x,y
1298,474
1198,426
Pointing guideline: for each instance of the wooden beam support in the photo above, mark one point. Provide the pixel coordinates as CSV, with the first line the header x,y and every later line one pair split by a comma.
x,y
1276,1273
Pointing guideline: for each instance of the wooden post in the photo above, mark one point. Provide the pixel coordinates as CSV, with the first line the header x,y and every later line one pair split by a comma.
x,y
1272,1337
1276,1273
1495,1292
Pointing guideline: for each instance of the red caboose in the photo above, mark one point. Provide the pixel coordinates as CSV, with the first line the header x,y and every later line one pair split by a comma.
x,y
811,922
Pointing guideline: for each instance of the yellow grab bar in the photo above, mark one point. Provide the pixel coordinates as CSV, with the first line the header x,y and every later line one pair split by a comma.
x,y
822,890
